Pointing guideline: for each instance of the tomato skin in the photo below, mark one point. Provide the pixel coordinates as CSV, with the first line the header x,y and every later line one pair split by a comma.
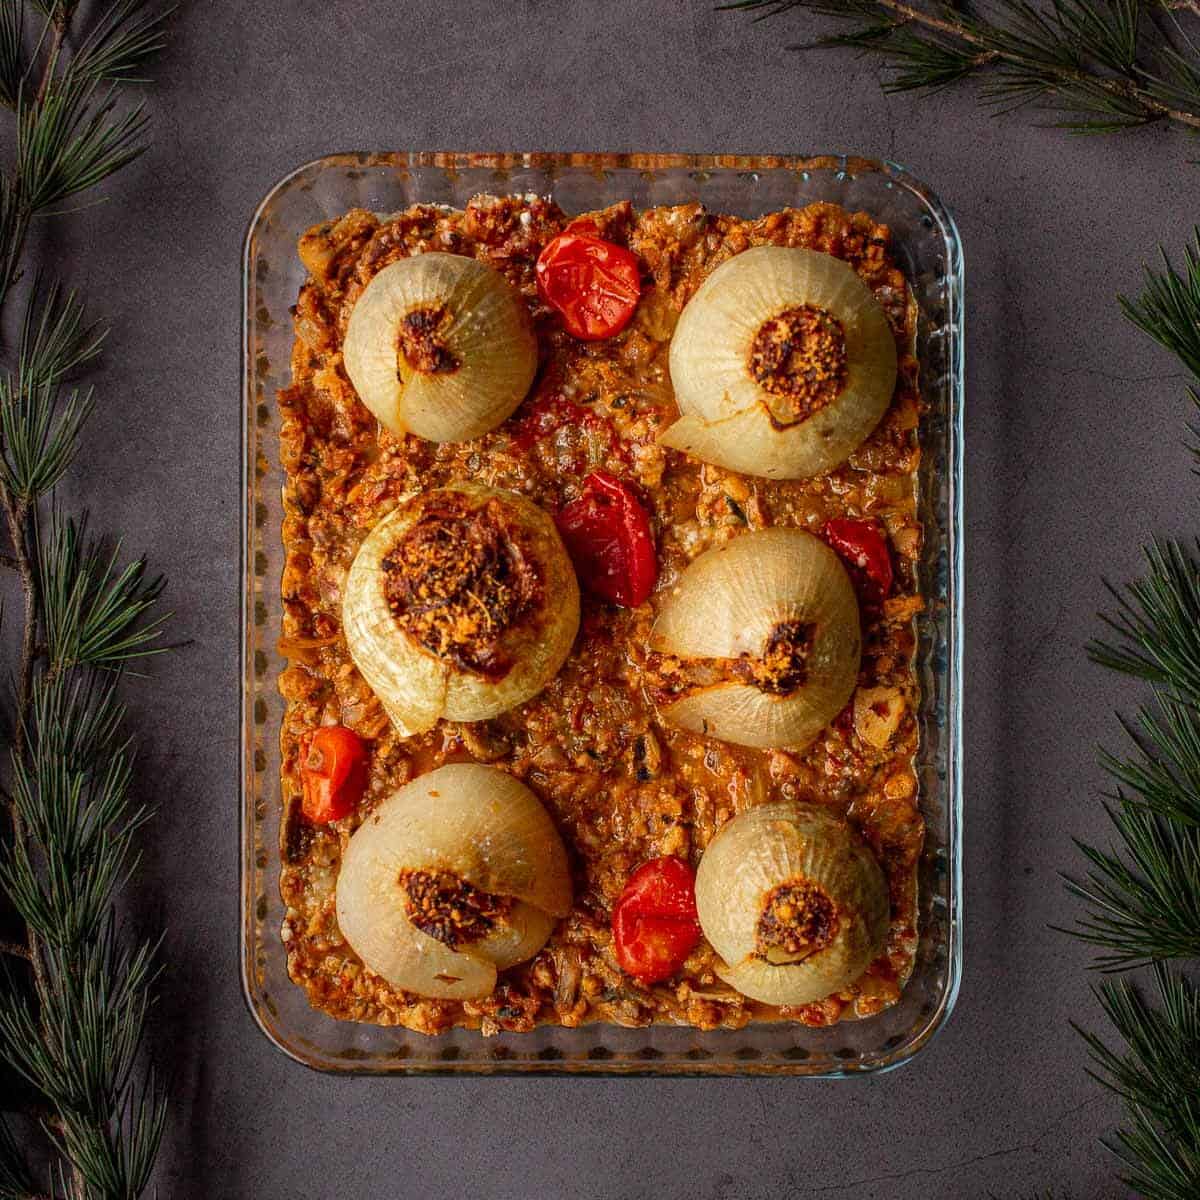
x,y
334,774
663,887
654,922
863,547
594,285
607,534
549,411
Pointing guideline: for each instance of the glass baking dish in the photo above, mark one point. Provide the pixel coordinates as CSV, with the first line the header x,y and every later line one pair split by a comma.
x,y
927,246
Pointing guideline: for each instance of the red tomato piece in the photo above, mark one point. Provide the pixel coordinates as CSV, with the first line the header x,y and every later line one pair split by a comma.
x,y
863,547
607,534
654,923
594,285
334,774
549,411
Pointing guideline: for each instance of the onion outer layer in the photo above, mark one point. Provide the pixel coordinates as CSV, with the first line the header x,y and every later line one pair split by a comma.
x,y
725,606
480,824
723,418
777,843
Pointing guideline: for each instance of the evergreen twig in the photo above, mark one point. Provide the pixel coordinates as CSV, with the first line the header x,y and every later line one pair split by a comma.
x,y
74,1035
1142,896
1099,65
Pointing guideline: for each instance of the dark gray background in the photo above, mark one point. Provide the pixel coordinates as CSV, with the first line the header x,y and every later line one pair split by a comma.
x,y
1074,425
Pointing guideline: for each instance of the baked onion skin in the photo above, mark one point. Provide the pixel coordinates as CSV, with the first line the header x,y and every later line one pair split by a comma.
x,y
727,417
806,848
415,684
728,603
480,825
440,345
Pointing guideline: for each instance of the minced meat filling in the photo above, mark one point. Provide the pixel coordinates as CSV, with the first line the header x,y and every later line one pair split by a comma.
x,y
797,920
458,580
799,359
421,342
450,909
782,669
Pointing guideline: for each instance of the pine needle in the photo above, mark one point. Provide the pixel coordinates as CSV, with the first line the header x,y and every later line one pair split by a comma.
x,y
12,60
1157,623
1168,305
126,38
1143,894
94,612
73,138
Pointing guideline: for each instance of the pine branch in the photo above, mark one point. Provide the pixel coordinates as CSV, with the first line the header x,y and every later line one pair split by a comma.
x,y
76,1036
94,613
79,1048
1158,1078
1142,896
71,790
1101,66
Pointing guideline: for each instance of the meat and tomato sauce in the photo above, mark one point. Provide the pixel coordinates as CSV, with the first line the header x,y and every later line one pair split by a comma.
x,y
622,786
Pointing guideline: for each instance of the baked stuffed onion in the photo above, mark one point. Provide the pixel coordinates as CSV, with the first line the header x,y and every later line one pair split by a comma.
x,y
767,629
461,603
440,345
793,902
456,876
783,363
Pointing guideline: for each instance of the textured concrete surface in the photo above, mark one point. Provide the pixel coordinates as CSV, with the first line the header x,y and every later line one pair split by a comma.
x,y
1073,431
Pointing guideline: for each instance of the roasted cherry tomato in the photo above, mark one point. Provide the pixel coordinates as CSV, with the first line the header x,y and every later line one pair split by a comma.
x,y
607,534
654,923
863,547
549,411
593,284
334,774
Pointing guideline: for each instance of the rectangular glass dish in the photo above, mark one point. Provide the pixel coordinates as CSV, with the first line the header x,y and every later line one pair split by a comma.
x,y
927,249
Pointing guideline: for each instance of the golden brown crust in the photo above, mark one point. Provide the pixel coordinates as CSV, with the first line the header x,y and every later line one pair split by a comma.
x,y
621,787
460,578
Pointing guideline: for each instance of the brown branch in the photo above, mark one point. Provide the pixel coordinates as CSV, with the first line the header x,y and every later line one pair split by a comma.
x,y
1121,88
17,513
56,44
14,950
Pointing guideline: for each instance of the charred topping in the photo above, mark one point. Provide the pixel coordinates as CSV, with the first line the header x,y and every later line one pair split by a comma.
x,y
783,666
798,919
449,909
421,341
459,579
799,359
